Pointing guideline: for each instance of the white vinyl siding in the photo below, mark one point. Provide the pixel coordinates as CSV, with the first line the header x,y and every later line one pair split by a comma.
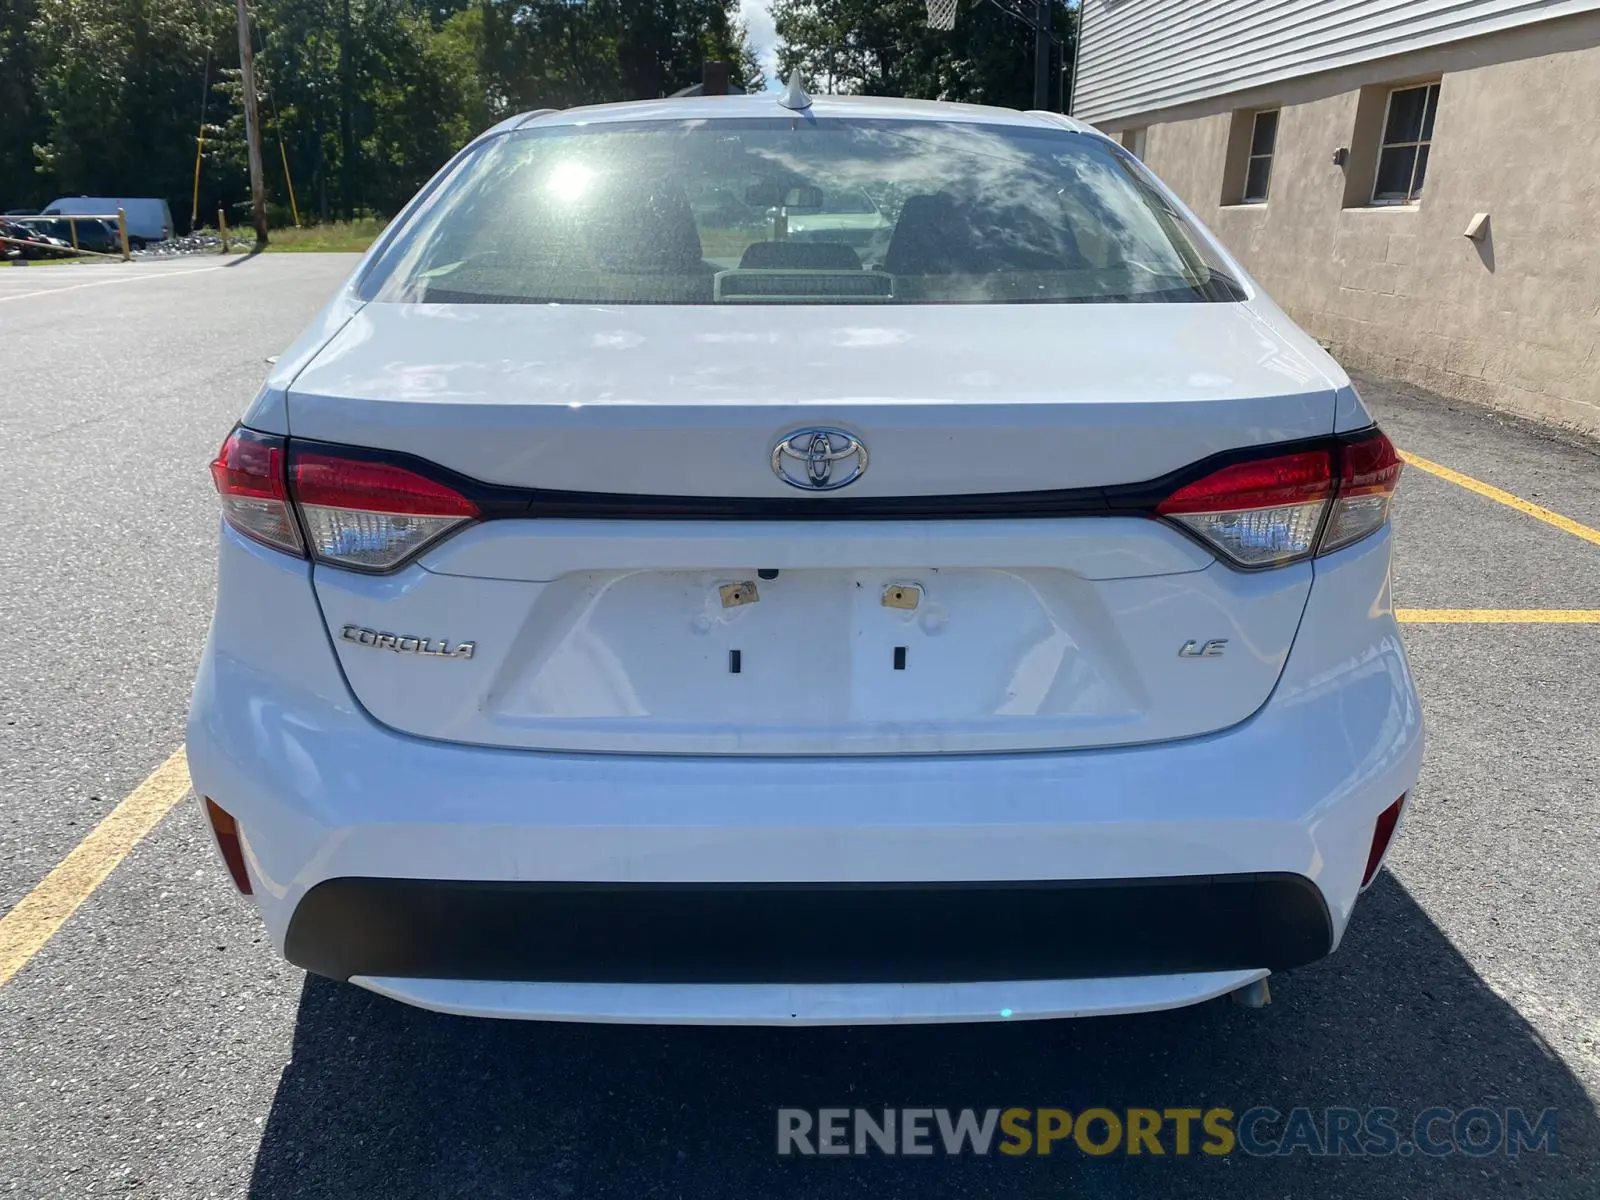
x,y
1141,56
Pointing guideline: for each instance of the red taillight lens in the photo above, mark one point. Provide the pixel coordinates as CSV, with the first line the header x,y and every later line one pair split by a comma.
x,y
249,474
226,830
1369,471
1265,483
1382,835
336,482
1259,514
371,515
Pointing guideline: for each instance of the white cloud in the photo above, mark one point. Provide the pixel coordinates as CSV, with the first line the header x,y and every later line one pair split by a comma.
x,y
763,35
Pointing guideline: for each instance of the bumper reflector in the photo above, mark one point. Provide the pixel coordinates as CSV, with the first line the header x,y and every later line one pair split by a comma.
x,y
1382,834
226,830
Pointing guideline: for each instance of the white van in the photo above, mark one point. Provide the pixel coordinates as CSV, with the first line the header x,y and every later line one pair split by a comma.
x,y
149,220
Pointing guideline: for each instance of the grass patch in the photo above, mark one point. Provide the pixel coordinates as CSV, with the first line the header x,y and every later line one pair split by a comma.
x,y
353,236
350,236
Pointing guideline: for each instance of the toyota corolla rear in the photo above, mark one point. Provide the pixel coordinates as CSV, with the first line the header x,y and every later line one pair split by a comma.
x,y
624,616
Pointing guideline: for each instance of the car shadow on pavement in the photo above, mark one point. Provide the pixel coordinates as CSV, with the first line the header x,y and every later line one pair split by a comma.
x,y
383,1100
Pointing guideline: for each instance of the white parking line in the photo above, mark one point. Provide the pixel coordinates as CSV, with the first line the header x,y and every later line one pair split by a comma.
x,y
73,287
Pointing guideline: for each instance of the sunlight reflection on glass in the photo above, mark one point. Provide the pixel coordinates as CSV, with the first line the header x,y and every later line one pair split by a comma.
x,y
568,181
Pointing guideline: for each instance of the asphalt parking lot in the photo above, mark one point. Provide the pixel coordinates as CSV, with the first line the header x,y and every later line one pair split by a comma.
x,y
154,1046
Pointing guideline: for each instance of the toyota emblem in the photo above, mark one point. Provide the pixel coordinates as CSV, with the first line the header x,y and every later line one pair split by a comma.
x,y
819,460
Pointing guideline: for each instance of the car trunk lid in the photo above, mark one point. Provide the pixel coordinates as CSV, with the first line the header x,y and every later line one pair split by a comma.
x,y
817,633
949,399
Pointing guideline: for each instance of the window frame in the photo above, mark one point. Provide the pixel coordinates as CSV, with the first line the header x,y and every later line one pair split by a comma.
x,y
1431,90
1250,156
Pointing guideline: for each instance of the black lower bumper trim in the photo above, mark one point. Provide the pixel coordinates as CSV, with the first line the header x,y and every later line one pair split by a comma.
x,y
807,933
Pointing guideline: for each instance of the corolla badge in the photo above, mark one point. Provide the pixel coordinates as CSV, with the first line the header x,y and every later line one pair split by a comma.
x,y
819,460
405,643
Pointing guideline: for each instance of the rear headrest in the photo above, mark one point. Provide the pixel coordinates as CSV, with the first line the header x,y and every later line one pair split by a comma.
x,y
937,235
643,226
799,256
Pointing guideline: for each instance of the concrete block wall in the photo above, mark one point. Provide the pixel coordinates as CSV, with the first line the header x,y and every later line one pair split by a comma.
x,y
1512,321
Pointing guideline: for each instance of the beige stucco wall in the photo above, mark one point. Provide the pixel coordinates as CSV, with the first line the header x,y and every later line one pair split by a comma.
x,y
1512,321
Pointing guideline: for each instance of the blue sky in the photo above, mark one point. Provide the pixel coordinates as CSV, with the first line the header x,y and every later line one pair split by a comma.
x,y
759,20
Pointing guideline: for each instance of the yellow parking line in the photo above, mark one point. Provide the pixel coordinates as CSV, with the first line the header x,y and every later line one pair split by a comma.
x,y
1498,616
1566,524
33,922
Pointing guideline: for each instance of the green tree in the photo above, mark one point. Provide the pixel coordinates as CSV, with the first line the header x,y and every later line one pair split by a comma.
x,y
555,54
373,95
119,82
885,48
23,120
365,97
426,102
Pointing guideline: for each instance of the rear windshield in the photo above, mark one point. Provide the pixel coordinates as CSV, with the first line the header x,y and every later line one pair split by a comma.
x,y
797,211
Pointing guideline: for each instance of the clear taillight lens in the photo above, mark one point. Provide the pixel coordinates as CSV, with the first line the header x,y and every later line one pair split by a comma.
x,y
371,515
1258,514
249,474
1369,471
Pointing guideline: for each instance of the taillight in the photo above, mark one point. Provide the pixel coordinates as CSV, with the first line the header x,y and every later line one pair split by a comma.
x,y
1369,471
250,479
371,515
1260,513
1267,512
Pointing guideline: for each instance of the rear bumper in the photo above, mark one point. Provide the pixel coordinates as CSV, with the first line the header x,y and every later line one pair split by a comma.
x,y
323,793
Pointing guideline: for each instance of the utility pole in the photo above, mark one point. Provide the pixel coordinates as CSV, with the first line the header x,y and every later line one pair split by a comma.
x,y
1042,15
252,124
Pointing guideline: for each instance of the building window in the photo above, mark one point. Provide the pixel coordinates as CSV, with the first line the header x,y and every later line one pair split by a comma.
x,y
1403,153
1133,142
1258,170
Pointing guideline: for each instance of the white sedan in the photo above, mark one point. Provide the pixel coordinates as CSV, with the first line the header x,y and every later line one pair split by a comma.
x,y
627,616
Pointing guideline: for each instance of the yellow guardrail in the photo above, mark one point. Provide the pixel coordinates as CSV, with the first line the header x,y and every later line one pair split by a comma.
x,y
120,217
